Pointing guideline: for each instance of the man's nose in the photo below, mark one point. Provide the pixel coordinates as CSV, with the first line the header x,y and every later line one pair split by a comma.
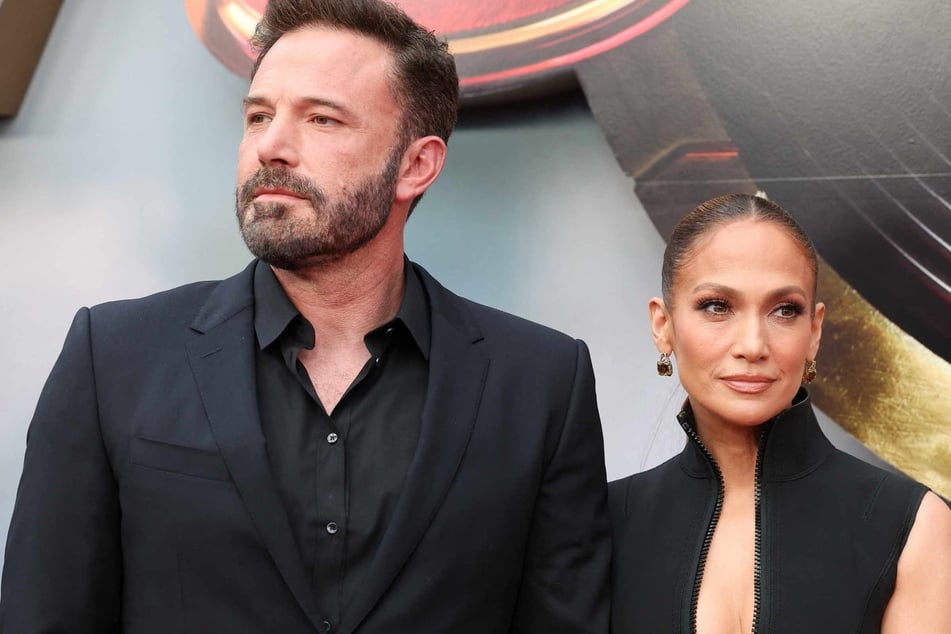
x,y
277,144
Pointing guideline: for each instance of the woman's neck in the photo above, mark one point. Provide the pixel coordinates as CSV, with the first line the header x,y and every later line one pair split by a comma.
x,y
734,447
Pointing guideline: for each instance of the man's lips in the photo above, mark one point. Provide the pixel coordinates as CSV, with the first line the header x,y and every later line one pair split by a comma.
x,y
748,384
265,191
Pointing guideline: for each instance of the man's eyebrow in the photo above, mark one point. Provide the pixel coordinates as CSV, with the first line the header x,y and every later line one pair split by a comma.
x,y
251,100
255,100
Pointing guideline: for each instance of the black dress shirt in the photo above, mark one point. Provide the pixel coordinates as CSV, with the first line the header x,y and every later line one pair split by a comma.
x,y
340,475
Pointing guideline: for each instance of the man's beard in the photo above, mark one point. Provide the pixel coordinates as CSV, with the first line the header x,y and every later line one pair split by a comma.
x,y
332,230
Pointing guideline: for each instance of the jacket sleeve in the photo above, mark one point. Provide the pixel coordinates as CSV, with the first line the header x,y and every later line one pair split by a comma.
x,y
62,568
564,584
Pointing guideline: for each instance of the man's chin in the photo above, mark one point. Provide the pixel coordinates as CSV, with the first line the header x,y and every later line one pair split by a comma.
x,y
292,248
287,261
300,264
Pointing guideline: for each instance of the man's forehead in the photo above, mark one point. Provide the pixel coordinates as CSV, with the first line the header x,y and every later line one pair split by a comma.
x,y
314,44
329,65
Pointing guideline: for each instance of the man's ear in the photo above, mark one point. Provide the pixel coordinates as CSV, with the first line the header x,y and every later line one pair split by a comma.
x,y
422,162
661,325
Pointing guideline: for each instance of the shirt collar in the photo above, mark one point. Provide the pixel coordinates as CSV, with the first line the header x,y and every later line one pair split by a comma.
x,y
414,310
274,312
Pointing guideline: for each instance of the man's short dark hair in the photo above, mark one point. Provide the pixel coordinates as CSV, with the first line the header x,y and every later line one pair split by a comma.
x,y
425,83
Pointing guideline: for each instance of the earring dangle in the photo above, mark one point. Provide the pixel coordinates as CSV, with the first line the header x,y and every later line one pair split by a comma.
x,y
809,372
664,366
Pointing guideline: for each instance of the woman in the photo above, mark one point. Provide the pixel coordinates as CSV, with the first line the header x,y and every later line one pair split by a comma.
x,y
760,525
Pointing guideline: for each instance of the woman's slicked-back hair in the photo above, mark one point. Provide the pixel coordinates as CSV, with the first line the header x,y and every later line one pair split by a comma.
x,y
717,212
426,85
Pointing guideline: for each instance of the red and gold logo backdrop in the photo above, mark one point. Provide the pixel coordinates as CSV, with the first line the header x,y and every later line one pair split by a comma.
x,y
501,46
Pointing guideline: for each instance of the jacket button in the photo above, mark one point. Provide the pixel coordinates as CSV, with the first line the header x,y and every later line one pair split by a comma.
x,y
331,438
325,625
332,528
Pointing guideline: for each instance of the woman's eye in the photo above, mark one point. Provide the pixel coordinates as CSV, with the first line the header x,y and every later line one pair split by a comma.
x,y
715,307
788,311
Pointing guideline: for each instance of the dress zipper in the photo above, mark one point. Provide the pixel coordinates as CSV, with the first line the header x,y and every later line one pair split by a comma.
x,y
758,532
711,527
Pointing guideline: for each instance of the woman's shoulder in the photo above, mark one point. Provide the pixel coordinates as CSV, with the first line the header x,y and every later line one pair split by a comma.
x,y
642,479
877,486
923,581
650,489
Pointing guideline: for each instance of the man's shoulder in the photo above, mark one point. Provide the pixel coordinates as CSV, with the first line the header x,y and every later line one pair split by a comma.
x,y
178,304
491,322
521,341
500,322
186,294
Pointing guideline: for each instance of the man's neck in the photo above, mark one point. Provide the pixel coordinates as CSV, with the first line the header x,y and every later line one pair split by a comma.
x,y
346,298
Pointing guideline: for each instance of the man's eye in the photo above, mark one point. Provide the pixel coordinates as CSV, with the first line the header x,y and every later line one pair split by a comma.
x,y
257,118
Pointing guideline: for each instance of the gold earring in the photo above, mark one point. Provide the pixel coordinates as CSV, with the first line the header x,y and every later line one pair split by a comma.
x,y
809,372
664,366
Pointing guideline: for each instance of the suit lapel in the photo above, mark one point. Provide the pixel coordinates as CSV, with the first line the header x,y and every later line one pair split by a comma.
x,y
458,367
222,360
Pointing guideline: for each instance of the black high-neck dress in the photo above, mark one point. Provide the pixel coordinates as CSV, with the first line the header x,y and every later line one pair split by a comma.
x,y
829,531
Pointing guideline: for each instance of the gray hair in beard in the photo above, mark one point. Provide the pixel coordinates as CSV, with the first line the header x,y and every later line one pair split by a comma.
x,y
335,228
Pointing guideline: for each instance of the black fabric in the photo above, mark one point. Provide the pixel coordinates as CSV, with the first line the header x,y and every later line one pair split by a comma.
x,y
501,525
340,475
832,530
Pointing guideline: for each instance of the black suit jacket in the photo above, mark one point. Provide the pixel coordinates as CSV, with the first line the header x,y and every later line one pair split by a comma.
x,y
147,504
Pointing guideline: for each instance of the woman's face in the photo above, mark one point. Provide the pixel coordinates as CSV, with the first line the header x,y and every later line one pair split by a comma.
x,y
742,325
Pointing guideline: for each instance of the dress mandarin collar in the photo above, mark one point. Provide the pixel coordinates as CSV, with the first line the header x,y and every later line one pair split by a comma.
x,y
795,445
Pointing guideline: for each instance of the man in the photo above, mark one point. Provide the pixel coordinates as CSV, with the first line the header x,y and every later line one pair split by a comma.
x,y
329,440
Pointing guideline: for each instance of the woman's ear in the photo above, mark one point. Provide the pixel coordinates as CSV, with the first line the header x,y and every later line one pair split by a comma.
x,y
661,325
816,335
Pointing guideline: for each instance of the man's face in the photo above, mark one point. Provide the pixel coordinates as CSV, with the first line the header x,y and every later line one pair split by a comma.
x,y
320,155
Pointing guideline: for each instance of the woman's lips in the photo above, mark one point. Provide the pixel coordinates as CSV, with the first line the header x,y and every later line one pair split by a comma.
x,y
748,384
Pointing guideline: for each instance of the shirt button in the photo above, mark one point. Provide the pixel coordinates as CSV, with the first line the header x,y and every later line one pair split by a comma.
x,y
378,361
332,528
325,626
389,330
331,438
